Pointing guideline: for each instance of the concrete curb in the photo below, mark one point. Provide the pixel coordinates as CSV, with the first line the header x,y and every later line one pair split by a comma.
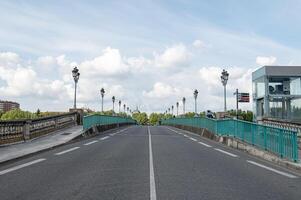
x,y
240,145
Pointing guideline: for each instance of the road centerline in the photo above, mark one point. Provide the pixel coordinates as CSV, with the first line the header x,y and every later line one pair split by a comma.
x,y
153,195
271,169
21,166
66,151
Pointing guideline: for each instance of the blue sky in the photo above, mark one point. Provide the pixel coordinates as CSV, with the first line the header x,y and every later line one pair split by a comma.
x,y
147,53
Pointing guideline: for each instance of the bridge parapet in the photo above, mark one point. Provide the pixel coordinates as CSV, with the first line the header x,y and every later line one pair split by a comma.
x,y
21,130
282,142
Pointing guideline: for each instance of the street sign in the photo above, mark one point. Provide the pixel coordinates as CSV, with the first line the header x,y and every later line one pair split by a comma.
x,y
243,97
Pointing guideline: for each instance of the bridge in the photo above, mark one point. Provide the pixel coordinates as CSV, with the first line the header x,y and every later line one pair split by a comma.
x,y
185,158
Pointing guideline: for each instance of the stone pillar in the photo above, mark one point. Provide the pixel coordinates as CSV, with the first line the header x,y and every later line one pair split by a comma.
x,y
26,130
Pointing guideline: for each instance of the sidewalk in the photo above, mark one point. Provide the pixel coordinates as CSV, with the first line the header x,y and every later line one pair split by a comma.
x,y
57,138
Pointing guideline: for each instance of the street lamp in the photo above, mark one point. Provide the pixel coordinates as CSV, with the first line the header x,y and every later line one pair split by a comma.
x,y
124,108
127,110
172,110
102,93
177,104
195,94
168,110
184,100
119,104
113,100
224,79
75,75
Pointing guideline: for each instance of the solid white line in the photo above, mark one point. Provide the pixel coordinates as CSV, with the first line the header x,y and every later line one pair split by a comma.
x,y
104,138
66,151
21,166
186,135
225,152
273,170
152,184
206,145
193,139
112,134
94,141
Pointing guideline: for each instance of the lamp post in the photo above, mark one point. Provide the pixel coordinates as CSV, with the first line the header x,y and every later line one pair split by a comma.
x,y
127,109
75,75
168,110
195,94
102,93
177,104
184,100
113,100
224,79
172,110
124,108
119,104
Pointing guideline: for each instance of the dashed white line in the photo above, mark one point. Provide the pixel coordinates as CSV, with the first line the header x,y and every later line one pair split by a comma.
x,y
271,169
21,166
66,151
153,195
185,135
204,144
193,139
92,142
104,138
226,152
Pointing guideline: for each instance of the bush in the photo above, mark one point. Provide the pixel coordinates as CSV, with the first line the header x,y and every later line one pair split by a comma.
x,y
18,114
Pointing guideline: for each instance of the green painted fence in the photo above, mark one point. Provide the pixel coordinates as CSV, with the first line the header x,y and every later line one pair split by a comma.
x,y
96,119
280,141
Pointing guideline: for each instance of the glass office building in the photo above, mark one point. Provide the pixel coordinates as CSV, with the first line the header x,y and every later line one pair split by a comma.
x,y
277,93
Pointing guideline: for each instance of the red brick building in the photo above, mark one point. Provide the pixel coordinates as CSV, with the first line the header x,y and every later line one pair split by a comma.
x,y
8,105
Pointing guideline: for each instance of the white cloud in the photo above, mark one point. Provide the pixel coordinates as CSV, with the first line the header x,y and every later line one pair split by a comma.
x,y
108,64
177,55
262,60
198,44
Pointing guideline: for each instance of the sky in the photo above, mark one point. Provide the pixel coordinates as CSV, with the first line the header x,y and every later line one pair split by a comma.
x,y
146,53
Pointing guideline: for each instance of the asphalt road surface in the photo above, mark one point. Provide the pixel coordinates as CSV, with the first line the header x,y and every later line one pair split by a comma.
x,y
141,162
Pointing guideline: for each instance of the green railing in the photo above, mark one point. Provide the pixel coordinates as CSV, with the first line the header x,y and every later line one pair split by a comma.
x,y
280,141
96,119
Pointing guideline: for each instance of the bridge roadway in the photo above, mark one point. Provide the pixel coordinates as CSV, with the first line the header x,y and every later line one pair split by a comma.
x,y
141,162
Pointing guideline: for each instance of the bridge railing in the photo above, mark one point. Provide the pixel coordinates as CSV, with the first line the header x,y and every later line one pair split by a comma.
x,y
280,141
20,130
90,121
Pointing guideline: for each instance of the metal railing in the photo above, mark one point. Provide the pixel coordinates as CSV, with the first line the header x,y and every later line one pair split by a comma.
x,y
282,142
97,120
21,130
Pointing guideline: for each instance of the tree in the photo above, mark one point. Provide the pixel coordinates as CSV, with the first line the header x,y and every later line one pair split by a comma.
x,y
141,118
18,114
38,112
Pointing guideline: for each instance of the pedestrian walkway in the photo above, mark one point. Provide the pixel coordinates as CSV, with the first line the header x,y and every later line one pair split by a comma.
x,y
56,138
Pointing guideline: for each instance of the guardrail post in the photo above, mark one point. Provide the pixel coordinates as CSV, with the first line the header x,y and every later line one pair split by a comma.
x,y
281,145
26,130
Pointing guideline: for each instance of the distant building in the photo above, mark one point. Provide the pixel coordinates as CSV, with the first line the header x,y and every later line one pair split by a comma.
x,y
277,93
8,105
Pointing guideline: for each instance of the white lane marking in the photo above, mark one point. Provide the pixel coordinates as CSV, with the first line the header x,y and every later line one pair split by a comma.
x,y
271,169
153,195
104,138
92,142
66,151
193,139
186,135
206,145
112,134
226,152
21,166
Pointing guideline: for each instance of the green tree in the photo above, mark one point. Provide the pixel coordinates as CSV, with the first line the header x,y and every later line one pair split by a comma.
x,y
38,112
141,118
18,114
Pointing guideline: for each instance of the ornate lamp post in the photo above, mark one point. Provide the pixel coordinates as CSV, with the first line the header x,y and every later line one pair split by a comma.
x,y
119,104
195,95
113,100
75,74
184,100
102,93
168,110
224,79
172,110
124,106
177,104
127,109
